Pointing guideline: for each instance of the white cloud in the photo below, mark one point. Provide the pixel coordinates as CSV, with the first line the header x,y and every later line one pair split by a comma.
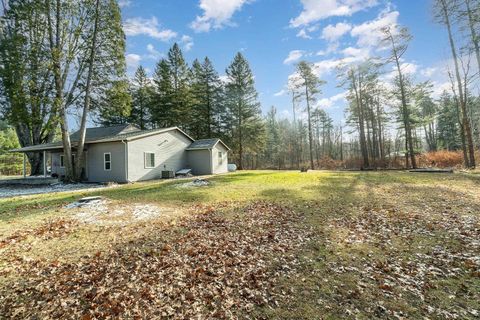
x,y
133,60
332,47
334,32
440,87
369,33
284,114
303,34
124,3
428,72
360,53
408,68
153,53
330,102
216,14
294,56
315,10
187,42
149,27
224,78
280,93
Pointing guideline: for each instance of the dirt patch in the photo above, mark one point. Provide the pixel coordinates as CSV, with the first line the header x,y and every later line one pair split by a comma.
x,y
215,268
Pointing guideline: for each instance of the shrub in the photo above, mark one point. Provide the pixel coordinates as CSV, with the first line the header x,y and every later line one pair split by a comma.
x,y
441,159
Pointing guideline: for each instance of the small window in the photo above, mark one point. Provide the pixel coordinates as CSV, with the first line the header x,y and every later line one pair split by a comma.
x,y
220,157
107,161
62,160
149,160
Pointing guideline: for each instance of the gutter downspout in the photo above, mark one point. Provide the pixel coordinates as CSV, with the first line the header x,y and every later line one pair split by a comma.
x,y
126,160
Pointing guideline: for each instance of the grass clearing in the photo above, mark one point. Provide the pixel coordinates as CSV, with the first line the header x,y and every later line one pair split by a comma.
x,y
376,245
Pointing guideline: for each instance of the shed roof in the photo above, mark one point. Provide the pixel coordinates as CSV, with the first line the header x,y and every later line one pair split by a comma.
x,y
203,144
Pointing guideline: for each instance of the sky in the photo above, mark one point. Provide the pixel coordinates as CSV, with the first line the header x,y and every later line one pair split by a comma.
x,y
274,35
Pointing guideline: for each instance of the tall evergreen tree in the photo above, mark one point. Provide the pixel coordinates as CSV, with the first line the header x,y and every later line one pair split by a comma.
x,y
247,127
115,104
162,104
207,90
142,93
310,84
398,40
181,98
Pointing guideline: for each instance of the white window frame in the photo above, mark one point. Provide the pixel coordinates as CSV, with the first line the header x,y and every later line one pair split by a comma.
x,y
105,162
145,159
220,157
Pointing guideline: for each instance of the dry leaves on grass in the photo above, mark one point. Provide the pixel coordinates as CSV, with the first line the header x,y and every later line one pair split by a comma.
x,y
450,252
217,267
49,230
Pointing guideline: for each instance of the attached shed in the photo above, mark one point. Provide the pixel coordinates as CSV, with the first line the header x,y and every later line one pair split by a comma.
x,y
208,156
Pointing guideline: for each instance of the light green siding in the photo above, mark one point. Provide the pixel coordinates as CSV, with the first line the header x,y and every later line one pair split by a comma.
x,y
200,161
170,154
95,165
220,165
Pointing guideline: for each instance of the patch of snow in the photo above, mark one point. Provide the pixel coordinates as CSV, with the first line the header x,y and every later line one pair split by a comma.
x,y
7,191
145,211
104,211
194,183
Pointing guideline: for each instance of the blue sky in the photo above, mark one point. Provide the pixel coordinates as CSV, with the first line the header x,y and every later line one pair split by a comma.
x,y
275,34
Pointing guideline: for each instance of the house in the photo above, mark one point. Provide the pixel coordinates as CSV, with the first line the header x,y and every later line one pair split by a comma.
x,y
124,153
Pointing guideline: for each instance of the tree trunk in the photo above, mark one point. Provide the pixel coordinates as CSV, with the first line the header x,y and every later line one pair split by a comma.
x,y
86,105
461,98
473,33
361,123
55,47
405,111
310,138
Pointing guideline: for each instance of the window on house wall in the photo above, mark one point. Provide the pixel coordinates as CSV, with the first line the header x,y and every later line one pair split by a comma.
x,y
220,157
62,160
149,160
107,161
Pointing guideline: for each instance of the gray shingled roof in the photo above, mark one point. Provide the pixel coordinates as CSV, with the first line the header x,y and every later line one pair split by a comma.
x,y
205,144
98,135
93,134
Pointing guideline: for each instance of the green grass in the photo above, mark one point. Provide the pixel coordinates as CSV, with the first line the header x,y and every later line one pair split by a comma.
x,y
335,204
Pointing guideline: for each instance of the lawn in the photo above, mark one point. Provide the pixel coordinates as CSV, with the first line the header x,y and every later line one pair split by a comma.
x,y
254,244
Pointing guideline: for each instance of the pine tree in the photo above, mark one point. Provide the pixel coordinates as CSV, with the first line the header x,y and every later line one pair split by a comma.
x,y
247,127
181,98
207,91
114,106
398,40
310,84
162,104
141,99
272,150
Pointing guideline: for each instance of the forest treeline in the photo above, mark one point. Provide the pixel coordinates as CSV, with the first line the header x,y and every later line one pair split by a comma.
x,y
66,59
